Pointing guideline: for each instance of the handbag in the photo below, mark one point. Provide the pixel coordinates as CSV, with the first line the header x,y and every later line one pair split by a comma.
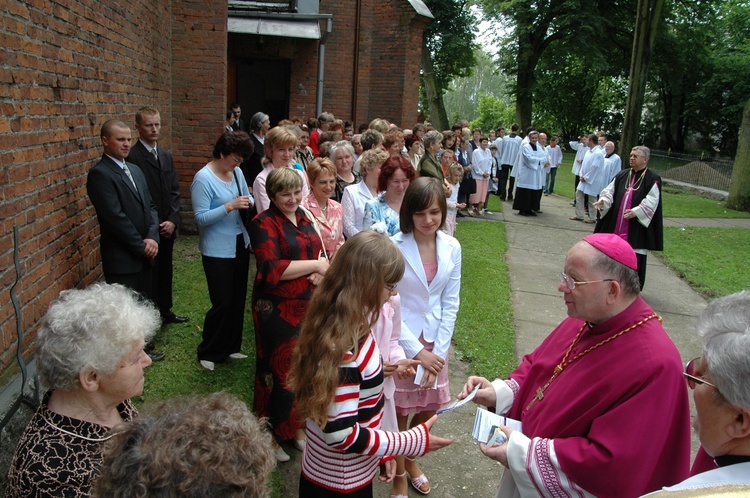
x,y
246,215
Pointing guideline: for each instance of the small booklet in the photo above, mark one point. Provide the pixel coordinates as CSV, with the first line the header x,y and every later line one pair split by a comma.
x,y
485,421
458,403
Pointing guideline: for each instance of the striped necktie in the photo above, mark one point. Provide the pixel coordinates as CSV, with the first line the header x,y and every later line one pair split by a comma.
x,y
129,175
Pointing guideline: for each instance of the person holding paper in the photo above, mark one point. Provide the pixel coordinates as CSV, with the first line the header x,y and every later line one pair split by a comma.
x,y
602,401
337,375
429,303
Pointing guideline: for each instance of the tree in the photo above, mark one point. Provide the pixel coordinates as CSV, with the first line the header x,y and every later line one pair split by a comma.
x,y
463,94
447,51
533,27
492,112
739,192
648,17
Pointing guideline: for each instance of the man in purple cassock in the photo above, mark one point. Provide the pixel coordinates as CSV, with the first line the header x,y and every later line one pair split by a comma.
x,y
602,400
630,206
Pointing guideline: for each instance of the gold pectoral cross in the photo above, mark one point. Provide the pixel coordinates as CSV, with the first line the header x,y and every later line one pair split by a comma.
x,y
540,390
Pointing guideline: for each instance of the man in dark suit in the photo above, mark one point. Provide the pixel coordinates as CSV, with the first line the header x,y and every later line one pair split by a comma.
x,y
128,222
157,165
239,124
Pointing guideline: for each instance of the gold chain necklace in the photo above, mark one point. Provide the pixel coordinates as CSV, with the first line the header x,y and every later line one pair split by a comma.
x,y
639,181
565,362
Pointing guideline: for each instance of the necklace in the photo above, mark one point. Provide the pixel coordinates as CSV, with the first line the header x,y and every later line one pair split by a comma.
x,y
639,181
69,433
565,362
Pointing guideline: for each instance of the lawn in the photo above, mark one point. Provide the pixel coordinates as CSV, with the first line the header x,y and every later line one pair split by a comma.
x,y
483,332
676,203
711,260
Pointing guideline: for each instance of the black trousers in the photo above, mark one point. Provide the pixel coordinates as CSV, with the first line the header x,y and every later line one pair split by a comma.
x,y
641,259
308,489
227,288
140,282
502,180
162,281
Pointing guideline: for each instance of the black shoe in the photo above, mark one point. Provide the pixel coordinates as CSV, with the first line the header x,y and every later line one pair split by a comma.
x,y
165,320
510,199
155,356
530,213
459,214
523,213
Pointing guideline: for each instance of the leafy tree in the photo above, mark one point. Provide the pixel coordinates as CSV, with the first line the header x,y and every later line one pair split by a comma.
x,y
739,193
531,28
492,112
463,93
648,18
447,51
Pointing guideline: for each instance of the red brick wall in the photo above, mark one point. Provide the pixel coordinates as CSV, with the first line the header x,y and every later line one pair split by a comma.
x,y
199,70
387,72
67,67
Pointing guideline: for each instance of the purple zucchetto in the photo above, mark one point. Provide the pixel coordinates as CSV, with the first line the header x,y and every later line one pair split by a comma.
x,y
615,247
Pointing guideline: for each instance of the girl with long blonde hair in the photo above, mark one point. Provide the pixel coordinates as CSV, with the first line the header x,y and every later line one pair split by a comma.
x,y
337,375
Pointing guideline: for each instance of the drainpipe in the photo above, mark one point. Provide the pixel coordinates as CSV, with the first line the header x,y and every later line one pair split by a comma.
x,y
355,76
321,63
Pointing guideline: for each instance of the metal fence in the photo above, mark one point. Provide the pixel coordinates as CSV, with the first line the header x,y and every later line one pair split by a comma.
x,y
705,171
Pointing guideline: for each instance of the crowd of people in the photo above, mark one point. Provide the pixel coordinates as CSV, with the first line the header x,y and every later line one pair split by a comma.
x,y
354,304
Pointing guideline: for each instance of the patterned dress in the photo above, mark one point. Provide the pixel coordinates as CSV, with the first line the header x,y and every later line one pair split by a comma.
x,y
377,210
278,308
58,455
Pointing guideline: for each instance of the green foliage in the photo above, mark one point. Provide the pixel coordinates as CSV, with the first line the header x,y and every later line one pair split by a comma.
x,y
462,95
707,258
700,77
492,113
450,39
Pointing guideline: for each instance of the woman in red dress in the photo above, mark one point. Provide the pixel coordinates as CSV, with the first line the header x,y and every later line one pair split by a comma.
x,y
290,263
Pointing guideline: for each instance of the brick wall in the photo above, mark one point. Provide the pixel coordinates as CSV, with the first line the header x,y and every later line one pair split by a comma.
x,y
199,85
387,72
65,68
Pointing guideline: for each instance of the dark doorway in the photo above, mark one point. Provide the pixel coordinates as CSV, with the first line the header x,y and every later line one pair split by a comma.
x,y
263,85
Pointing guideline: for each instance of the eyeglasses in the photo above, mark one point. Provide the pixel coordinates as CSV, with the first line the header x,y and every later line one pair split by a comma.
x,y
568,281
691,375
234,158
391,287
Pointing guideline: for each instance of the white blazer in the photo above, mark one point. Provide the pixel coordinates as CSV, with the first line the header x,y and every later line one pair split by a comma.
x,y
429,310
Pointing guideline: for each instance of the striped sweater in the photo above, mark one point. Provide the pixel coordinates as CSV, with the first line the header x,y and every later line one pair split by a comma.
x,y
345,455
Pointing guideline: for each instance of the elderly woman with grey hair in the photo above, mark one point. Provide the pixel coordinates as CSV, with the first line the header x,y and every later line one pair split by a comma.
x,y
252,166
90,357
720,380
342,155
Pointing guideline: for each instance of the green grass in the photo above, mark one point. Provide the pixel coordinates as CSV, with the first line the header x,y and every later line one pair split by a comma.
x,y
484,332
709,258
676,203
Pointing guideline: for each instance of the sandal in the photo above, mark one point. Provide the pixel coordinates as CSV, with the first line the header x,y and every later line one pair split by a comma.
x,y
419,482
400,496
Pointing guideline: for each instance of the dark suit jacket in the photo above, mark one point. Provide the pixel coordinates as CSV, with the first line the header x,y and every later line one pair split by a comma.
x,y
126,217
161,179
239,125
254,164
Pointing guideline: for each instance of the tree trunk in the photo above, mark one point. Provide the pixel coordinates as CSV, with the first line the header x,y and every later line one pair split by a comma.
x,y
434,93
648,17
739,192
